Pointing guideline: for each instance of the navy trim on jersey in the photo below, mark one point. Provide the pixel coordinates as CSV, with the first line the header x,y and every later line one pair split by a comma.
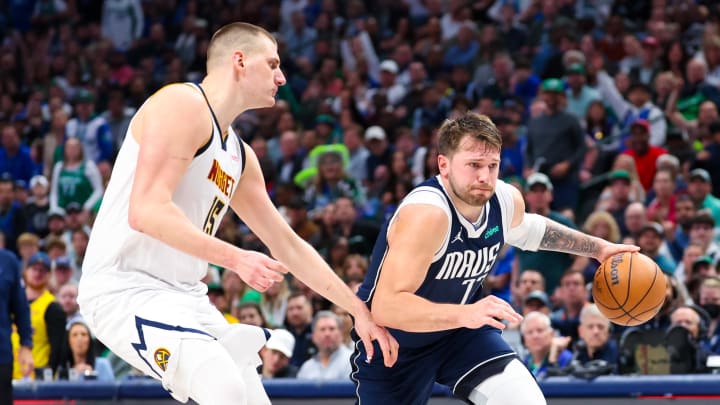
x,y
223,135
242,155
141,345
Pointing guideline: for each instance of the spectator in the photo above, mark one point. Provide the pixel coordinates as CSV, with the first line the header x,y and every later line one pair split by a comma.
x,y
691,351
14,157
710,302
644,154
91,130
14,316
709,157
649,65
684,270
331,181
47,316
298,322
216,295
122,22
75,180
638,106
291,158
276,355
545,350
650,239
678,239
602,225
635,218
595,342
38,205
353,140
573,298
556,146
354,267
79,361
28,244
250,313
360,234
579,95
530,280
274,303
118,117
63,273
699,189
13,221
701,232
332,360
662,208
67,298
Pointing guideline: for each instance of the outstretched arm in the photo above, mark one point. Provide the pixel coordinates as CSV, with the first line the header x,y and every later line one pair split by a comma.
x,y
252,204
558,237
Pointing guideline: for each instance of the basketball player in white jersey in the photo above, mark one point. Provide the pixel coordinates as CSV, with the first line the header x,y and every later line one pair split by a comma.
x,y
178,171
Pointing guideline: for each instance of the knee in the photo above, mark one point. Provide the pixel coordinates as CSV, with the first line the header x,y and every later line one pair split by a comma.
x,y
515,385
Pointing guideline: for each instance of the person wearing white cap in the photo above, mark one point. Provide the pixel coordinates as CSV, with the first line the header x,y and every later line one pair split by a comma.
x,y
389,87
38,205
276,355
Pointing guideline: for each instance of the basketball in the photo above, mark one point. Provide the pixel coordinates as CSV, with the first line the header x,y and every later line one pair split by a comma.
x,y
629,288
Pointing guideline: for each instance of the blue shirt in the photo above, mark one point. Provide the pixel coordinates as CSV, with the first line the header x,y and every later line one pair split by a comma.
x,y
20,166
13,306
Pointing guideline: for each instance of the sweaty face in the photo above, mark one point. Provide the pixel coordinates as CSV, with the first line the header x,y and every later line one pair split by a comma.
x,y
472,171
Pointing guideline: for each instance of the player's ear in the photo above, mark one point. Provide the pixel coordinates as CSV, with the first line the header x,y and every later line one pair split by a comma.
x,y
443,163
239,59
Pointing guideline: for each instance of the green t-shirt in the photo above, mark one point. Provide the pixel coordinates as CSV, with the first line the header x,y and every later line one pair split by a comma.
x,y
73,186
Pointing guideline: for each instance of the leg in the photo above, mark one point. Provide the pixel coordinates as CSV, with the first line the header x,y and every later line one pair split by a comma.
x,y
514,385
482,369
408,382
210,374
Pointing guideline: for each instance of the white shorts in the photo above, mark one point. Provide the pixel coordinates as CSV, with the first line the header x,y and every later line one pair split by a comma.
x,y
146,328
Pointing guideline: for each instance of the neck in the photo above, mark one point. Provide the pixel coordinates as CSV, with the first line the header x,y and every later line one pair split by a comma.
x,y
538,358
324,356
33,293
78,359
224,100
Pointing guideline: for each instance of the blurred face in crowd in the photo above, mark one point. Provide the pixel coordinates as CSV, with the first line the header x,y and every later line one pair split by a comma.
x,y
595,331
250,315
620,189
67,297
701,233
531,280
698,189
708,113
538,198
37,276
635,217
273,361
326,335
649,242
663,184
709,295
10,139
684,211
62,276
79,338
573,289
330,167
299,312
537,334
690,254
639,140
687,318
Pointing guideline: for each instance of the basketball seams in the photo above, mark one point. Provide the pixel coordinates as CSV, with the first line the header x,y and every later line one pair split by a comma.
x,y
620,314
647,291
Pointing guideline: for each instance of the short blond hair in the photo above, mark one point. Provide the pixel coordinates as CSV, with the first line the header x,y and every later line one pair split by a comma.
x,y
236,36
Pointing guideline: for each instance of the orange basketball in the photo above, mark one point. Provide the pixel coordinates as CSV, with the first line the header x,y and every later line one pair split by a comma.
x,y
629,288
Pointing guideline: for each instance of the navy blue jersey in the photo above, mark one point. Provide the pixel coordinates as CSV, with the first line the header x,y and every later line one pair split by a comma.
x,y
460,266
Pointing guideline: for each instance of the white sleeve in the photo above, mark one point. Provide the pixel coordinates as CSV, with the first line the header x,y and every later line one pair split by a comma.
x,y
429,196
507,204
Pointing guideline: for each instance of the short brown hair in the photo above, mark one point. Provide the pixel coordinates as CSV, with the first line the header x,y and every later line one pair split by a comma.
x,y
478,126
237,35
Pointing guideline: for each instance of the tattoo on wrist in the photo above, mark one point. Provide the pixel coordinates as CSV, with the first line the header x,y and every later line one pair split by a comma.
x,y
561,239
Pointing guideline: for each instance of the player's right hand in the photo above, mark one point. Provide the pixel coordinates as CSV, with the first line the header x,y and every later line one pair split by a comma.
x,y
490,310
259,271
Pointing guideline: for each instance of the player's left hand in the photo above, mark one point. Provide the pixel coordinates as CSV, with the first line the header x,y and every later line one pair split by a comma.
x,y
368,330
610,249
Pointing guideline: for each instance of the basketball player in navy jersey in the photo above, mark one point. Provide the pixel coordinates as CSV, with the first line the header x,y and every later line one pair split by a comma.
x,y
427,269
179,169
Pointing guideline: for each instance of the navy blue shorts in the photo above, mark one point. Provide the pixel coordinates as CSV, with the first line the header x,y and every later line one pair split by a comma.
x,y
455,361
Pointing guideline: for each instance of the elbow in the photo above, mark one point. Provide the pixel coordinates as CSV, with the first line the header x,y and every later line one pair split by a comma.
x,y
135,217
381,312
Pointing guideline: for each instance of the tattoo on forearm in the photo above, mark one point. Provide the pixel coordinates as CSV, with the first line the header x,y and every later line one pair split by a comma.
x,y
563,239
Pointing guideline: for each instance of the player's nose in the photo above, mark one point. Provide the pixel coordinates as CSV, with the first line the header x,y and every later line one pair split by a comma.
x,y
280,78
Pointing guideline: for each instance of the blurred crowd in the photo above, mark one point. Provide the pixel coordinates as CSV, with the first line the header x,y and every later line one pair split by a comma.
x,y
608,111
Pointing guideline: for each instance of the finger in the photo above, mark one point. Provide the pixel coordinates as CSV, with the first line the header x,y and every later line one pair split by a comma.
x,y
367,343
388,351
277,266
395,349
495,323
272,275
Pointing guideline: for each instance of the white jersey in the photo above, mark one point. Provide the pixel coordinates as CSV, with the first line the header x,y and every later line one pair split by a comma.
x,y
118,256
